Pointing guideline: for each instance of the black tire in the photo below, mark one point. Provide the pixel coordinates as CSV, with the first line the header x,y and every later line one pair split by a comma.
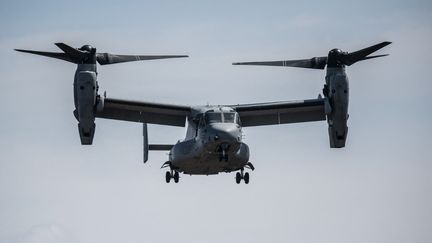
x,y
176,177
167,177
238,177
246,178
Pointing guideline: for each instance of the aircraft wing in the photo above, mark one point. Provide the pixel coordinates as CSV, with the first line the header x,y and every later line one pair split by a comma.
x,y
274,113
144,112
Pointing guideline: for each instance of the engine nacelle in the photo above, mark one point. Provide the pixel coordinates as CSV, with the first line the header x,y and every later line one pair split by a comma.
x,y
85,104
337,135
337,94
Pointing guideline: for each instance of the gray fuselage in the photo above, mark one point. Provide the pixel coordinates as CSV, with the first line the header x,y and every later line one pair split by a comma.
x,y
213,143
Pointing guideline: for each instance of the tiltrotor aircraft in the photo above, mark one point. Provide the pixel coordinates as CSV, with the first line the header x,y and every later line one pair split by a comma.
x,y
213,141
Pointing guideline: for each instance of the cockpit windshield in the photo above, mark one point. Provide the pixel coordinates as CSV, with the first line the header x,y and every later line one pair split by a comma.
x,y
221,117
213,117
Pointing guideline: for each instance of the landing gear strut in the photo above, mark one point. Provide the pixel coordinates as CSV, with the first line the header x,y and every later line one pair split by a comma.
x,y
172,174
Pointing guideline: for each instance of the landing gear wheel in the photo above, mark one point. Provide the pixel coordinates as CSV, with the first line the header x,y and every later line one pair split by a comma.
x,y
167,177
246,178
176,177
238,177
242,175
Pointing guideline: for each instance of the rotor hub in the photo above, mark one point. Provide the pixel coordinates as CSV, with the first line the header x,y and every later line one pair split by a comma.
x,y
335,58
87,48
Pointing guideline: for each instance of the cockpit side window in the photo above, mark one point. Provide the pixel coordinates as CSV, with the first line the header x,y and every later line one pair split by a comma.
x,y
229,117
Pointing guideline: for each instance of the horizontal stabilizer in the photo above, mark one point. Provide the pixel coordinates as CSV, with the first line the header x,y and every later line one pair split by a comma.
x,y
160,147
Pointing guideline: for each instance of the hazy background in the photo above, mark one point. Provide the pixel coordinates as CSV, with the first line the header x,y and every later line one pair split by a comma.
x,y
377,189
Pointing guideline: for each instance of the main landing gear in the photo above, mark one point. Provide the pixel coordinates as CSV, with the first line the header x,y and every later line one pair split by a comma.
x,y
245,176
241,175
172,174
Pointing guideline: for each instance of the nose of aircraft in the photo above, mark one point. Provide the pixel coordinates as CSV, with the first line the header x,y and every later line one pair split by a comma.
x,y
224,132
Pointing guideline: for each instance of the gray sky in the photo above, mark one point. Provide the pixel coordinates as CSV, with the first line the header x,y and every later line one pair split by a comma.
x,y
377,189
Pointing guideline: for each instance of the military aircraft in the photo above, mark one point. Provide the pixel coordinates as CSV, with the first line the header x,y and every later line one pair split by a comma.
x,y
213,142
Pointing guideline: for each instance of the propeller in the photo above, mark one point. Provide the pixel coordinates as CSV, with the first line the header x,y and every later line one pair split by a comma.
x,y
335,58
88,55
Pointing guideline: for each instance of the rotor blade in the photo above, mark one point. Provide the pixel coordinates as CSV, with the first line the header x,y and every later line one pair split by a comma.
x,y
70,51
360,55
58,55
314,63
370,57
107,58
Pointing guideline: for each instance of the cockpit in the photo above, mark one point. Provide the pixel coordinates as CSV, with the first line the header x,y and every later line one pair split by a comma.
x,y
221,117
215,121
